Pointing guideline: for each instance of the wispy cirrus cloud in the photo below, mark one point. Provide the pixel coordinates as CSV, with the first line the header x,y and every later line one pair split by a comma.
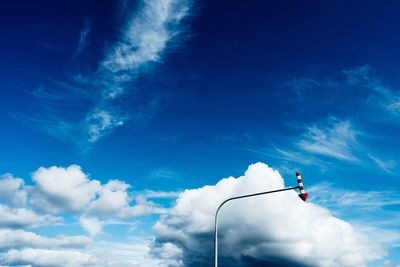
x,y
83,37
387,166
319,145
334,139
387,97
144,41
372,89
331,196
371,95
148,34
287,155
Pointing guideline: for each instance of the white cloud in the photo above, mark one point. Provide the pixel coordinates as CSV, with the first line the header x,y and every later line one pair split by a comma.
x,y
101,121
262,228
147,35
389,99
142,207
19,247
336,139
12,190
161,194
24,218
17,239
114,201
329,195
169,254
91,225
113,197
48,258
387,166
251,229
132,254
60,189
318,145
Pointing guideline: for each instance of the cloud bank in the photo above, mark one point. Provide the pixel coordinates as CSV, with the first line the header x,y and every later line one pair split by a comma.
x,y
59,195
273,230
277,229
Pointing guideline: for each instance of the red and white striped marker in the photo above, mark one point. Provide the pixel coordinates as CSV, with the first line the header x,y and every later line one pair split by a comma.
x,y
303,195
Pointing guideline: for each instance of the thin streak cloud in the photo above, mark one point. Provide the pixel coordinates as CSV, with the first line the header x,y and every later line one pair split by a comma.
x,y
84,37
387,166
336,140
385,96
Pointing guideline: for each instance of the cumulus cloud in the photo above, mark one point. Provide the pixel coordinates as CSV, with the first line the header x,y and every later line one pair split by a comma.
x,y
59,189
12,190
25,218
168,253
63,189
132,254
135,253
262,230
114,201
273,229
48,258
142,207
17,239
113,197
91,225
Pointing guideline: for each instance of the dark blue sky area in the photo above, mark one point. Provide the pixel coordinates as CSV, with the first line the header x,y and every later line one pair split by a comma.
x,y
226,86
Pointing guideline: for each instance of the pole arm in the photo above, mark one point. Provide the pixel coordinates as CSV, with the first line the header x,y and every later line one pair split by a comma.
x,y
233,198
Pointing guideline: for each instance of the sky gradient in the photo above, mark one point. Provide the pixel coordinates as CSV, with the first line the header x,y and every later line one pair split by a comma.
x,y
121,120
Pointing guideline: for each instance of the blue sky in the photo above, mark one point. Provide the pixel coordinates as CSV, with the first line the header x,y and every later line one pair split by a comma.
x,y
137,101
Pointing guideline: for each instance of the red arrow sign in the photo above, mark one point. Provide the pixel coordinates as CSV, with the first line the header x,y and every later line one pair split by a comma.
x,y
303,195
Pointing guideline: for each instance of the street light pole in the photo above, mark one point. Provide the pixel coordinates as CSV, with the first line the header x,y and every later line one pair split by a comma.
x,y
238,197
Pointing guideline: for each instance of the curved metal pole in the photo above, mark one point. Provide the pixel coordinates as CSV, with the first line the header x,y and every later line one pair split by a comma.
x,y
233,198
